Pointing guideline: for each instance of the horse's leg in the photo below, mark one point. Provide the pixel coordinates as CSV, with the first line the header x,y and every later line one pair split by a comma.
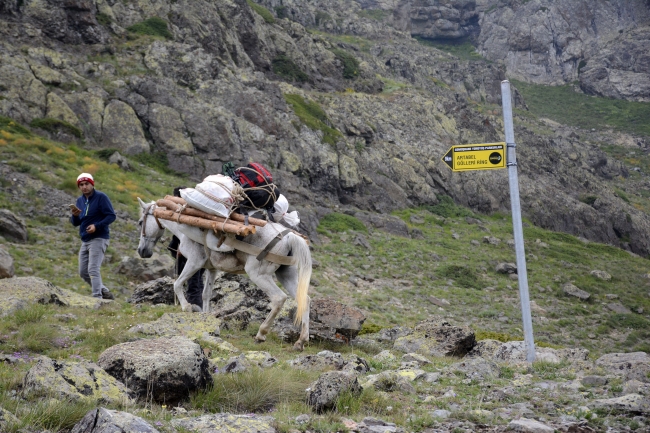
x,y
208,285
288,277
262,275
195,261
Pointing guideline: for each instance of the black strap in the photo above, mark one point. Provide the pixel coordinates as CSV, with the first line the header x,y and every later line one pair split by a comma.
x,y
271,244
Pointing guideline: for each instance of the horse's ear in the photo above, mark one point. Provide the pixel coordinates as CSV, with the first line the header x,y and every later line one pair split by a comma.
x,y
142,204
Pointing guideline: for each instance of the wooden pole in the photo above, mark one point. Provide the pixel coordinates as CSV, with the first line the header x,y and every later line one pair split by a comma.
x,y
238,229
233,216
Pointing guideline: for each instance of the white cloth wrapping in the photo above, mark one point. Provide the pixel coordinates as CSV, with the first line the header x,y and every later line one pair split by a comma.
x,y
214,187
280,209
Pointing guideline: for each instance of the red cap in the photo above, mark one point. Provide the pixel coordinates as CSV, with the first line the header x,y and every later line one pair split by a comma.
x,y
85,177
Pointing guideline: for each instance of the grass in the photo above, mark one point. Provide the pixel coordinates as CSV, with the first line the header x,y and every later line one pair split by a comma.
x,y
464,49
262,11
563,104
154,26
56,125
313,116
287,68
375,14
338,222
350,63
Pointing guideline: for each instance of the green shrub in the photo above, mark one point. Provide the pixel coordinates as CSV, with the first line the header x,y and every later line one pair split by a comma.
x,y
322,17
462,276
285,67
157,161
339,222
374,14
10,125
153,26
55,125
448,209
104,154
369,328
350,63
103,19
262,11
313,116
588,199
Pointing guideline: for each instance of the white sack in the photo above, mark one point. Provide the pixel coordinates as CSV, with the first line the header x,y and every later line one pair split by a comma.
x,y
215,198
280,209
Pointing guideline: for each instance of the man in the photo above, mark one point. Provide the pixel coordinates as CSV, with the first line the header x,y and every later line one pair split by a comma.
x,y
93,213
195,283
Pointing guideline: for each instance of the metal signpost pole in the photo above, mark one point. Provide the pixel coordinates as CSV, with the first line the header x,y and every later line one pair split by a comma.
x,y
511,162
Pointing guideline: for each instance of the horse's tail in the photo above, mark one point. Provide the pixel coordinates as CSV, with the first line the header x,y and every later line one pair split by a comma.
x,y
300,250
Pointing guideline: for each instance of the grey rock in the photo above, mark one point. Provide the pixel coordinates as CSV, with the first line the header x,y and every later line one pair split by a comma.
x,y
485,349
393,380
476,369
574,291
120,161
102,420
441,413
323,393
322,360
12,227
6,264
180,324
631,403
330,320
360,240
20,292
506,268
619,308
434,337
7,419
158,266
634,365
529,426
122,130
594,381
75,381
601,275
163,369
158,291
226,422
392,334
417,358
491,240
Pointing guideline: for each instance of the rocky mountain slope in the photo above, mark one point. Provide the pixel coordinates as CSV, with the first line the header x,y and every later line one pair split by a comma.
x,y
356,115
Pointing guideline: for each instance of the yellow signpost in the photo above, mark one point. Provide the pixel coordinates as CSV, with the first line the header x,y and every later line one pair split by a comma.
x,y
486,156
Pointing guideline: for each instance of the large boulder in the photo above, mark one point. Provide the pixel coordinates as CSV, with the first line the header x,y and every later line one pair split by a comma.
x,y
12,227
103,420
7,419
329,320
74,381
630,403
163,369
323,393
181,324
515,352
6,264
158,266
435,337
635,365
158,291
21,292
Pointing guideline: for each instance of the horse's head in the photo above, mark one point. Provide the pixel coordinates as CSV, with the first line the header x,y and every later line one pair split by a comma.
x,y
150,229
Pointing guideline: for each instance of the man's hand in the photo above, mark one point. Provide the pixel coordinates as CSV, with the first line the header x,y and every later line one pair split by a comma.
x,y
76,212
90,228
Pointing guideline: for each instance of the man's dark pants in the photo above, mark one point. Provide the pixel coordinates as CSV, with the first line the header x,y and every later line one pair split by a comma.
x,y
194,284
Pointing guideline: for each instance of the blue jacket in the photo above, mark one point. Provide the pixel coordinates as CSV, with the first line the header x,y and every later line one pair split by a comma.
x,y
98,210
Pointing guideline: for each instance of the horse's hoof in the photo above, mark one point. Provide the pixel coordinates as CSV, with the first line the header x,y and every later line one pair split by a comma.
x,y
259,340
196,309
298,347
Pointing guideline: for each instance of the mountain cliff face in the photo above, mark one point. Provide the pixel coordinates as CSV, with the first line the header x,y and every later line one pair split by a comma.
x,y
352,113
602,44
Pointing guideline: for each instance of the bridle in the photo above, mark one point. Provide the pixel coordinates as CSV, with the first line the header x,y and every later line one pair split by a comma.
x,y
148,211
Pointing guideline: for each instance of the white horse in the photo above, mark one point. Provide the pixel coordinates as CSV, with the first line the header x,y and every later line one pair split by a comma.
x,y
295,279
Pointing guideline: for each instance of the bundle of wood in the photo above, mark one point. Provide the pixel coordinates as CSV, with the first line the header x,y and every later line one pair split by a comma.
x,y
175,209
